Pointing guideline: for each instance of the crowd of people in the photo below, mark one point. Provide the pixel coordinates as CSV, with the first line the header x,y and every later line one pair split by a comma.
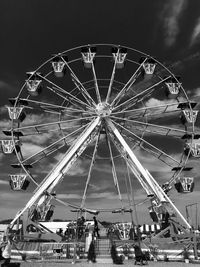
x,y
78,229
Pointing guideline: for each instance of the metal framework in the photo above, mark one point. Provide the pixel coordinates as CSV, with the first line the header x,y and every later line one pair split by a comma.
x,y
74,118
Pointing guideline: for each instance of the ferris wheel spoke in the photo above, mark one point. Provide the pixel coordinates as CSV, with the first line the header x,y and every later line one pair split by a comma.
x,y
76,207
95,81
45,105
114,173
90,171
152,152
46,131
151,110
157,155
112,77
142,95
80,85
154,128
136,167
128,85
147,143
59,123
51,148
78,104
61,92
71,100
58,88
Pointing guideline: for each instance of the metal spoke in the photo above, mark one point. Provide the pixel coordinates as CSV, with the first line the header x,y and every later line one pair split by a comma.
x,y
114,173
112,78
95,81
146,91
146,142
52,123
70,101
42,151
79,85
50,105
132,200
67,204
146,124
154,153
150,111
50,131
59,90
90,172
128,85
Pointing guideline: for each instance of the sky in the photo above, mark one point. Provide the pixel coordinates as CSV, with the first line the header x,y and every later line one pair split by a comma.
x,y
32,31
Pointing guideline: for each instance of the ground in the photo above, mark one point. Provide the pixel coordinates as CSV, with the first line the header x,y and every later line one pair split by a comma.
x,y
129,263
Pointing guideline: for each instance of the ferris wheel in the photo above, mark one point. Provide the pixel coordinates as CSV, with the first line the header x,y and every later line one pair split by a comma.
x,y
101,105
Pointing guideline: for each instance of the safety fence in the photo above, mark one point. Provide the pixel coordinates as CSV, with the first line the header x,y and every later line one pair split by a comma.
x,y
40,251
62,251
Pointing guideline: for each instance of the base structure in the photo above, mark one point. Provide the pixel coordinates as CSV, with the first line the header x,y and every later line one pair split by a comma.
x,y
174,242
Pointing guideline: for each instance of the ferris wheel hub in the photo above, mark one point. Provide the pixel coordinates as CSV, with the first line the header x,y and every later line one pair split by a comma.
x,y
103,109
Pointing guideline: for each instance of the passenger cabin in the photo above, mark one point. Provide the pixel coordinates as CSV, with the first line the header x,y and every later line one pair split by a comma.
x,y
189,116
173,87
119,56
19,182
88,55
59,66
8,146
192,145
16,113
184,185
123,230
192,148
33,83
149,65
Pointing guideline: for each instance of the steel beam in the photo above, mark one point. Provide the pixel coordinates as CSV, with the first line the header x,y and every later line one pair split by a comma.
x,y
62,167
144,177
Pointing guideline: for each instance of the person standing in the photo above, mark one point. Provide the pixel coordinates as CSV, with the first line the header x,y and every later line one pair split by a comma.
x,y
96,228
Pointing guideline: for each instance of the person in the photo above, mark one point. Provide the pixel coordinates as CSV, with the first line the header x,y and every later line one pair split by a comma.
x,y
5,251
91,257
82,220
96,228
139,255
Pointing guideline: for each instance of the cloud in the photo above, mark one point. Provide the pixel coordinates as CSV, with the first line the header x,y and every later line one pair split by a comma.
x,y
3,110
196,33
5,86
29,149
171,14
3,182
194,94
68,196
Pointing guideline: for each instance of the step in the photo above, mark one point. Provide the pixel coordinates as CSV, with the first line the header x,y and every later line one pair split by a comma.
x,y
103,253
103,247
104,260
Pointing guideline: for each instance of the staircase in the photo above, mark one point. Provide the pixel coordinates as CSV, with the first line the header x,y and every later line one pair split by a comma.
x,y
103,246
